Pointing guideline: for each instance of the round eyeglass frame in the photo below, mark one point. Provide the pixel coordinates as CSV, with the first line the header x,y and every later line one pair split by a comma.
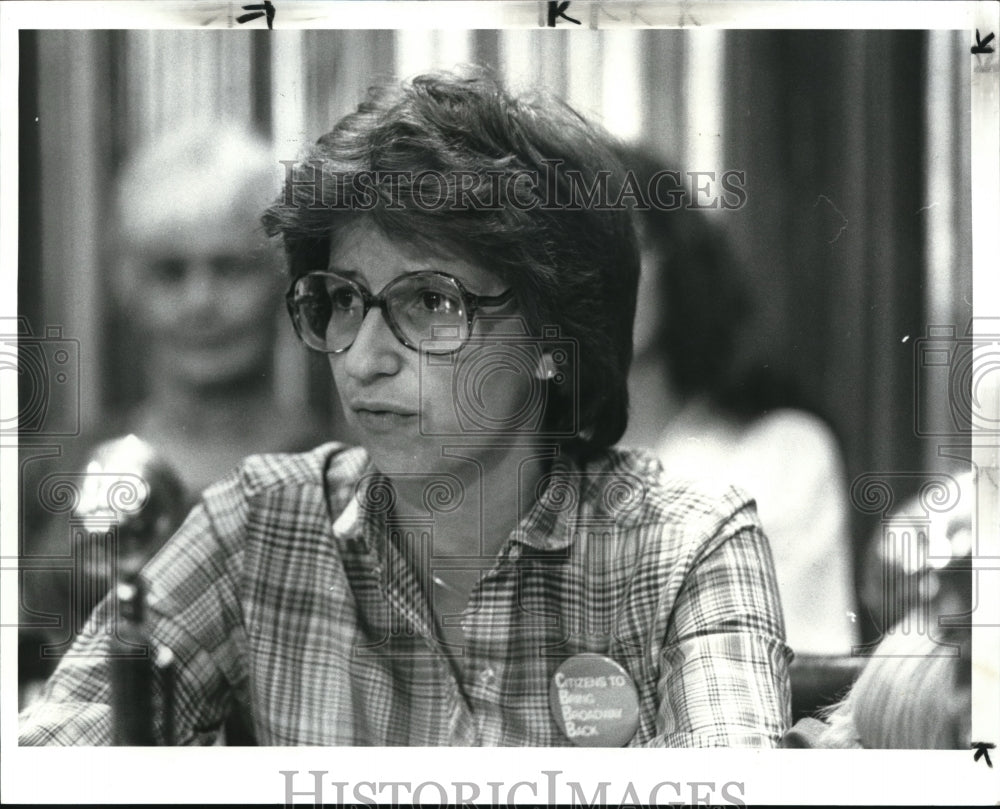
x,y
472,303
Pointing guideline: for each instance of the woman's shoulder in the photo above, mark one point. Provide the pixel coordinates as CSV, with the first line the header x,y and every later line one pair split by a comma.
x,y
288,487
264,472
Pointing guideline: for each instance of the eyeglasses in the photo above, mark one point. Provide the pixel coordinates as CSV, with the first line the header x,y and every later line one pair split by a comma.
x,y
428,311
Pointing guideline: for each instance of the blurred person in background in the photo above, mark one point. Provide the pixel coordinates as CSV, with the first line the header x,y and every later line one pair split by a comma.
x,y
914,558
914,691
198,285
198,282
707,412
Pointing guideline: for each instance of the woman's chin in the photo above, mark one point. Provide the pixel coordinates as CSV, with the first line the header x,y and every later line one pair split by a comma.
x,y
401,460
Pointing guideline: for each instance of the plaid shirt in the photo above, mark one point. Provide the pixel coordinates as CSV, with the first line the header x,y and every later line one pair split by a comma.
x,y
291,590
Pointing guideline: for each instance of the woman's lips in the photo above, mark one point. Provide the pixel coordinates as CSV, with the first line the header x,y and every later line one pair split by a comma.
x,y
382,421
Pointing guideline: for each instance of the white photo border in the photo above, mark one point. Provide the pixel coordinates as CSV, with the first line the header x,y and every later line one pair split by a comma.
x,y
253,775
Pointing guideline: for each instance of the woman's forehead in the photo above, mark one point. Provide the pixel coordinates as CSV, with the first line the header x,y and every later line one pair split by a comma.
x,y
365,250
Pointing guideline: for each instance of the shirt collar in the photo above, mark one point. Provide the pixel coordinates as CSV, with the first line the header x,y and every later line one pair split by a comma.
x,y
362,500
548,525
358,496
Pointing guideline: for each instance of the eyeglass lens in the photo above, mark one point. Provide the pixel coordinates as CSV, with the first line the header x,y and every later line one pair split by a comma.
x,y
426,312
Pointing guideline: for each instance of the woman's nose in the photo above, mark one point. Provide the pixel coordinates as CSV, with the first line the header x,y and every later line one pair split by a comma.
x,y
375,350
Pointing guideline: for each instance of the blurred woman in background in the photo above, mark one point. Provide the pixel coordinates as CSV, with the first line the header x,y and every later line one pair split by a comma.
x,y
198,283
708,412
197,286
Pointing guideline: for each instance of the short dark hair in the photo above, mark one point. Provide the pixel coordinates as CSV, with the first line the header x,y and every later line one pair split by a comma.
x,y
704,303
574,267
707,309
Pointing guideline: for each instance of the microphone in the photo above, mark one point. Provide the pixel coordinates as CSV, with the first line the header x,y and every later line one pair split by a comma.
x,y
130,487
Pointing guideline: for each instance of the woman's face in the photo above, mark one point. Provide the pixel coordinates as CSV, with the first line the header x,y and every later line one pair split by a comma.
x,y
406,407
206,299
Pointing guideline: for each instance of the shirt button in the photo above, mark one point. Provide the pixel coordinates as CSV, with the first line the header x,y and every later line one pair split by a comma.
x,y
487,675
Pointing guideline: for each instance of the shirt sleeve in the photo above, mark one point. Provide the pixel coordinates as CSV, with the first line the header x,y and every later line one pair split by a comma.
x,y
724,678
192,609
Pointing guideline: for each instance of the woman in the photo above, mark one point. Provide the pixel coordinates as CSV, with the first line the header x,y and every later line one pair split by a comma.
x,y
712,407
484,569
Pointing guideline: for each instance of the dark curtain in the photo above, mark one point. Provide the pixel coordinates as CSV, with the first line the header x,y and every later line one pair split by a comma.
x,y
829,129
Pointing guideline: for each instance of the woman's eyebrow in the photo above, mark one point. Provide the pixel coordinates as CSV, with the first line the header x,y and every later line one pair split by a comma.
x,y
354,275
343,271
351,275
474,285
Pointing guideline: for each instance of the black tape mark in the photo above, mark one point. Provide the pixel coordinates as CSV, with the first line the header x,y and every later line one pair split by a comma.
x,y
258,10
983,751
557,10
981,46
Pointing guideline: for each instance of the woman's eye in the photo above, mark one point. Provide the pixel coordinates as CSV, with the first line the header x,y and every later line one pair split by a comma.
x,y
430,300
343,298
434,301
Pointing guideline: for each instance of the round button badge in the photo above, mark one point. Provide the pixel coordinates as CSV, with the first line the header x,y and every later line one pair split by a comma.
x,y
594,701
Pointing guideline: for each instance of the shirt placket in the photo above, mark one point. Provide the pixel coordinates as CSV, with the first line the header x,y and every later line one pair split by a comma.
x,y
487,635
473,680
405,596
